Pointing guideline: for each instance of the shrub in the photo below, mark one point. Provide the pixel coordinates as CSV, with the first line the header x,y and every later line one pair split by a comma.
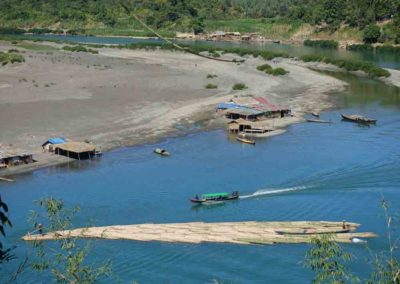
x,y
239,86
322,43
13,51
211,76
371,34
264,67
277,72
6,58
211,86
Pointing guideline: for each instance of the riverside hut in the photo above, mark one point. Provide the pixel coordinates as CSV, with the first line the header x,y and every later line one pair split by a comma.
x,y
244,113
76,150
11,159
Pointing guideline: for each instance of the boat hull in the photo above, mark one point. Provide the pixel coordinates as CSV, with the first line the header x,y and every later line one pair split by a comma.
x,y
200,201
358,119
246,141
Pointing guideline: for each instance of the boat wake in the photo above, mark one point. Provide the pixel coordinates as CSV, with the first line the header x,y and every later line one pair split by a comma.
x,y
272,191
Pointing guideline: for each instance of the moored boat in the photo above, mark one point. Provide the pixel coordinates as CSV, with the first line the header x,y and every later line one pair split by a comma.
x,y
162,152
317,121
358,118
215,197
246,140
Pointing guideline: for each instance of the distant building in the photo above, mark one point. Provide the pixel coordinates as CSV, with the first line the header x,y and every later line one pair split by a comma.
x,y
11,159
76,150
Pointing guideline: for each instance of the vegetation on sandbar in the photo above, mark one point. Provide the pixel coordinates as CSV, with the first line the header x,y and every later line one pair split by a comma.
x,y
271,71
349,65
239,86
10,57
79,48
211,86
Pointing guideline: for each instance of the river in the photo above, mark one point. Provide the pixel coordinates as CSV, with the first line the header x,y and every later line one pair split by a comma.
x,y
312,172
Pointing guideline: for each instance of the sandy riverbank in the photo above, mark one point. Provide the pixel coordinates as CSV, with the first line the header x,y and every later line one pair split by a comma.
x,y
128,97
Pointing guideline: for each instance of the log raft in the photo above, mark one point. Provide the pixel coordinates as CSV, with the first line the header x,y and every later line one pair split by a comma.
x,y
227,232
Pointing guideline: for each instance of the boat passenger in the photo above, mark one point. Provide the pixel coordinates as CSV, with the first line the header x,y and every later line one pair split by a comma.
x,y
196,197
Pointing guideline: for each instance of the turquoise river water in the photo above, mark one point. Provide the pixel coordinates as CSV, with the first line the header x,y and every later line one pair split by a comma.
x,y
312,172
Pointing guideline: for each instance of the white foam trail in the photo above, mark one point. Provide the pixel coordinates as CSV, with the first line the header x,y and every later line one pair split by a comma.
x,y
270,191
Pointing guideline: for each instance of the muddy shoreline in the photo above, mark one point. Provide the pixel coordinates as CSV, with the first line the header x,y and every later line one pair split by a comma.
x,y
121,98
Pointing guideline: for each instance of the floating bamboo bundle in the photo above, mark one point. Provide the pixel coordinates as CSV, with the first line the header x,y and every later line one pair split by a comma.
x,y
228,232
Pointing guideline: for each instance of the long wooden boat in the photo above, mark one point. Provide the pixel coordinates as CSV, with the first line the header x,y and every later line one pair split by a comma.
x,y
317,121
246,140
162,152
358,118
213,197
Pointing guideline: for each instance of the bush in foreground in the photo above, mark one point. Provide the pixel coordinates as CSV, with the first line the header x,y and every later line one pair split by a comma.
x,y
277,72
211,86
271,71
239,86
6,58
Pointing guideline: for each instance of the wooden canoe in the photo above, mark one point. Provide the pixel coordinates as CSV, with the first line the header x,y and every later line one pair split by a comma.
x,y
358,118
246,140
317,121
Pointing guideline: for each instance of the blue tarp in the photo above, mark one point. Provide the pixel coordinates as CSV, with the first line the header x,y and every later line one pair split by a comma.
x,y
58,140
227,106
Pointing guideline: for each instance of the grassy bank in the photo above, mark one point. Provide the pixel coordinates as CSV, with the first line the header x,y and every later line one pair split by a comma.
x,y
349,65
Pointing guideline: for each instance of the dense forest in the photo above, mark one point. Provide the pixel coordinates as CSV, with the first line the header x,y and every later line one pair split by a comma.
x,y
192,14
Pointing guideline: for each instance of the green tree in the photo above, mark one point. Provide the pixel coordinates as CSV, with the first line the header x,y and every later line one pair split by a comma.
x,y
67,259
371,34
5,254
386,265
327,259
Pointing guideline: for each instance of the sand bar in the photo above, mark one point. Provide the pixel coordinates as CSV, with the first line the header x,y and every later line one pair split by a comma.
x,y
129,97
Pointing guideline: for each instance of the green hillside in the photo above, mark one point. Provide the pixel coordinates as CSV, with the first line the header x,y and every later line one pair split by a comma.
x,y
279,18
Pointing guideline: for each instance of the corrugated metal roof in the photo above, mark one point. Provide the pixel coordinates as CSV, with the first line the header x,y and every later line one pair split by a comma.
x,y
227,106
57,140
271,106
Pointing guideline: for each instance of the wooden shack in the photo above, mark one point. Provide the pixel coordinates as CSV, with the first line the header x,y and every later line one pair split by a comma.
x,y
76,150
246,113
11,159
239,125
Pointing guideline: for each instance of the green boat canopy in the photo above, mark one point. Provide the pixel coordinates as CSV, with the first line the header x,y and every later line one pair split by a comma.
x,y
211,195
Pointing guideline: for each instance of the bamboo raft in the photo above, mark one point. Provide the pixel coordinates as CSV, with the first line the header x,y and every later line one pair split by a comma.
x,y
6,179
230,232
